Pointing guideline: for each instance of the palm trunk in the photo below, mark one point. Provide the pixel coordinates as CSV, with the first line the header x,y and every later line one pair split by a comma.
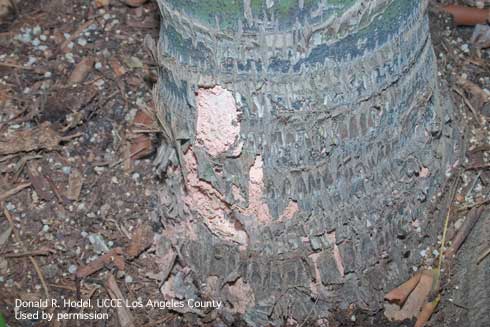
x,y
305,144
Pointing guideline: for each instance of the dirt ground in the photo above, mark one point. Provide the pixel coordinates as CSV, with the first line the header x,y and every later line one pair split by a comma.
x,y
76,173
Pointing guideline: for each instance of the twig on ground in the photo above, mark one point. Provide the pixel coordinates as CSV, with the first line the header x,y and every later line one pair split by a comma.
x,y
483,256
474,205
18,188
40,252
469,105
125,317
7,65
463,232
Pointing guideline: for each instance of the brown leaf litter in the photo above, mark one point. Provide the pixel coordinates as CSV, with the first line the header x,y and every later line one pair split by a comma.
x,y
75,183
42,137
112,257
141,240
81,70
409,298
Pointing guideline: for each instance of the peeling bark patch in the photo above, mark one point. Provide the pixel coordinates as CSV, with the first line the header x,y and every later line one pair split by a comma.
x,y
217,120
339,261
257,206
210,204
316,284
290,211
241,296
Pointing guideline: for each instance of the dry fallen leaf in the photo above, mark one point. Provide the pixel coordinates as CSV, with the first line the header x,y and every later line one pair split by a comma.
x,y
141,240
478,96
464,15
144,119
141,146
81,70
102,3
75,182
41,137
400,294
426,312
38,181
412,306
116,66
114,256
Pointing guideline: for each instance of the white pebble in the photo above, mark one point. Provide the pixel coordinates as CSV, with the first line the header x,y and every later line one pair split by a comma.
x,y
72,269
82,42
66,170
36,30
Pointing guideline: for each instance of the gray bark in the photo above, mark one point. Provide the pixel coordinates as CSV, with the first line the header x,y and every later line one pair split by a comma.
x,y
341,101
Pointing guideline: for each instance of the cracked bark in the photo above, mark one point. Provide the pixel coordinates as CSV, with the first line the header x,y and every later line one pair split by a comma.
x,y
344,141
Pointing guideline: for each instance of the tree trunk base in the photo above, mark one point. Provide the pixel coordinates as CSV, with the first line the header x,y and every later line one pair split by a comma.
x,y
326,197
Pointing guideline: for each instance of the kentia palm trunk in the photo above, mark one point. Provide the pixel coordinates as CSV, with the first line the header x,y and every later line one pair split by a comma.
x,y
305,143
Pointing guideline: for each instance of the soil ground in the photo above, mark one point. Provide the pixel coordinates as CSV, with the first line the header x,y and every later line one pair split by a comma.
x,y
41,45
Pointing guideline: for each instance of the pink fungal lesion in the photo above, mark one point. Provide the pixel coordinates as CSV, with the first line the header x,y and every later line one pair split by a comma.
x,y
217,132
217,126
257,206
339,261
210,205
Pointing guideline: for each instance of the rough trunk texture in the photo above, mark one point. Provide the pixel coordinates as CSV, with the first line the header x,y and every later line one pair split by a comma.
x,y
322,199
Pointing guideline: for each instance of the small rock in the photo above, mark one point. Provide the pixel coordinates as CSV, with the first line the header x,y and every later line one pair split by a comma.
x,y
36,30
66,170
72,269
69,57
82,41
128,279
98,243
9,206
